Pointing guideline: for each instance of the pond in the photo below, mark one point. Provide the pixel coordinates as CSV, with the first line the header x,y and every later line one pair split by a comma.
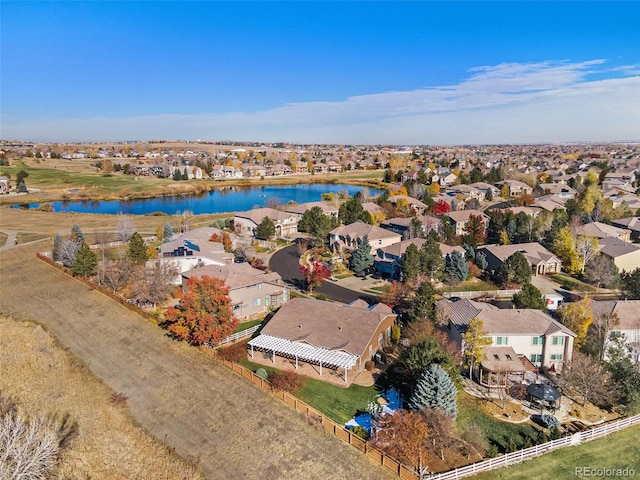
x,y
220,200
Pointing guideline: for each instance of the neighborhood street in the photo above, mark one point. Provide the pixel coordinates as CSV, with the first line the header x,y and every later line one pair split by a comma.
x,y
287,263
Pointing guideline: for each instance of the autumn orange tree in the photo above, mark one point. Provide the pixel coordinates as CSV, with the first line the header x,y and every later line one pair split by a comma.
x,y
204,313
405,436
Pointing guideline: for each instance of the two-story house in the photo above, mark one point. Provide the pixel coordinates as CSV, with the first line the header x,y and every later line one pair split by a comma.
x,y
245,223
622,317
350,236
252,291
460,218
532,334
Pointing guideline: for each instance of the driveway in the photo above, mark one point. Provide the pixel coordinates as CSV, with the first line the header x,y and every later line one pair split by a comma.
x,y
287,263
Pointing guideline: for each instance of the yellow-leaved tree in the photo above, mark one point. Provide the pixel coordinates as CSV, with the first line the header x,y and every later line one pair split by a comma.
x,y
577,316
474,340
564,247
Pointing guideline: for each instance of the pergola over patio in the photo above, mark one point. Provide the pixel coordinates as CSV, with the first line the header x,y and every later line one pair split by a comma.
x,y
333,359
500,362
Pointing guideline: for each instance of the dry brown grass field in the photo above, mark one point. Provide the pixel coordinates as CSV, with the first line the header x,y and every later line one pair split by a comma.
x,y
212,417
43,379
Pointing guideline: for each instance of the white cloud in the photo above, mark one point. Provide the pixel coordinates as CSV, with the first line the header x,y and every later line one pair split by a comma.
x,y
506,103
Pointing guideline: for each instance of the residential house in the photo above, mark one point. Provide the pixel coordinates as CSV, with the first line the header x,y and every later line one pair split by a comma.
x,y
516,188
252,291
559,189
230,171
532,334
5,184
460,218
300,167
334,167
416,206
630,223
602,230
550,203
245,223
388,259
411,175
630,199
301,208
619,181
279,170
485,188
624,324
330,341
625,255
320,168
542,261
401,225
350,236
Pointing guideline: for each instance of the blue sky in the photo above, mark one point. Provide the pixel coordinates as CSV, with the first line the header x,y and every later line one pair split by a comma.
x,y
321,72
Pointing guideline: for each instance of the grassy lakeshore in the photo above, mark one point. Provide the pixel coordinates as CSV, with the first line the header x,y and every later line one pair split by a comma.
x,y
57,179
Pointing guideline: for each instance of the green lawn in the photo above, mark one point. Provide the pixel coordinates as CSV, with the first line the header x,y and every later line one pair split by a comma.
x,y
570,283
246,325
617,450
473,287
504,435
337,403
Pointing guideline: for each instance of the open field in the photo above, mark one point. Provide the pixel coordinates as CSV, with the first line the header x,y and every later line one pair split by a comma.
x,y
57,179
42,379
617,450
212,417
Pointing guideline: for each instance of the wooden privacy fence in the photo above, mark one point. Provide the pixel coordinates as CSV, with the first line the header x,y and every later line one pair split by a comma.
x,y
316,418
100,289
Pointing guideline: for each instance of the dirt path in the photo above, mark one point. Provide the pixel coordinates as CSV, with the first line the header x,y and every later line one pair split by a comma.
x,y
208,414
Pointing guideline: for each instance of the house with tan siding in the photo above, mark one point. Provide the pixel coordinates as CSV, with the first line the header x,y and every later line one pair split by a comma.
x,y
326,340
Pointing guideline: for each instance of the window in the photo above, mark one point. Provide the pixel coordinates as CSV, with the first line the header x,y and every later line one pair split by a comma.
x,y
380,339
501,340
538,340
257,301
615,333
267,299
556,357
536,358
557,340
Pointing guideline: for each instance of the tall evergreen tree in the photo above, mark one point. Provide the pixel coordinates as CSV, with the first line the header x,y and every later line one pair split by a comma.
x,y
85,263
516,268
351,211
410,263
455,270
168,233
361,259
137,250
55,250
76,233
423,303
529,297
431,259
266,230
435,389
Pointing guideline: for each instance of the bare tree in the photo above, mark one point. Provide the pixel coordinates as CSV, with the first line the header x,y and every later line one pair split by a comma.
x,y
587,248
184,220
30,448
588,378
153,283
601,271
115,273
441,430
67,252
474,441
102,239
126,227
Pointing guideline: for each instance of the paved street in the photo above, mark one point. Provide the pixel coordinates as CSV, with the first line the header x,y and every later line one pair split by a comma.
x,y
287,263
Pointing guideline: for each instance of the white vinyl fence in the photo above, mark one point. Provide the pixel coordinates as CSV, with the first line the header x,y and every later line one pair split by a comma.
x,y
236,336
481,293
521,455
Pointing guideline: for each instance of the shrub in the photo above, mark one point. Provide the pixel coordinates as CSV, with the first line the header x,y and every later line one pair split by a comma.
x,y
369,365
288,381
261,372
320,296
546,420
395,334
119,399
361,432
234,353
